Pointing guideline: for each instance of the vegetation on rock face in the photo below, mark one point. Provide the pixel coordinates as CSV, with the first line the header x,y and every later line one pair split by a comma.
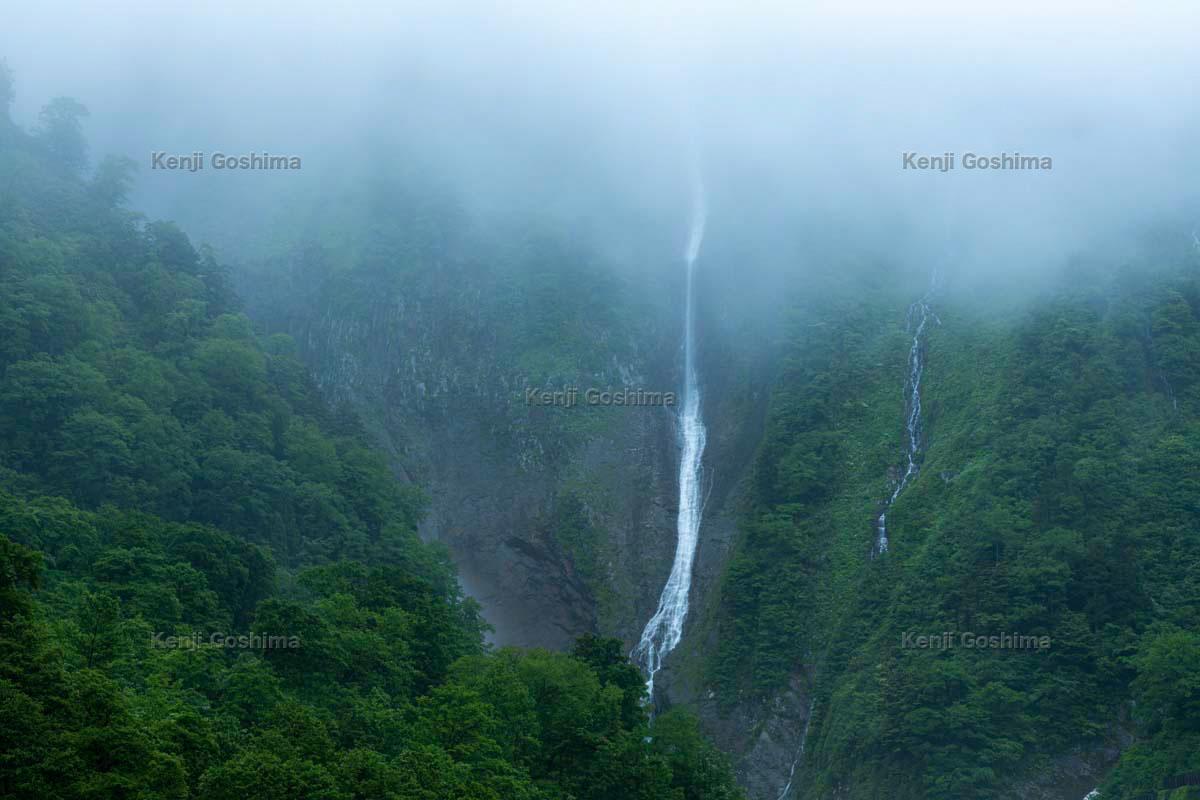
x,y
434,326
1057,497
166,475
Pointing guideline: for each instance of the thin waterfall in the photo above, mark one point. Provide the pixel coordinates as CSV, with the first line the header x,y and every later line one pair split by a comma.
x,y
919,315
799,751
664,630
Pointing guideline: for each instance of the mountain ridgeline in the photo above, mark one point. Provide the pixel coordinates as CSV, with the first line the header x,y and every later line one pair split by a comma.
x,y
948,548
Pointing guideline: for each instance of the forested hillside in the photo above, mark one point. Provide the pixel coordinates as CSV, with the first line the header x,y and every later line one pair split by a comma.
x,y
211,584
1058,495
262,526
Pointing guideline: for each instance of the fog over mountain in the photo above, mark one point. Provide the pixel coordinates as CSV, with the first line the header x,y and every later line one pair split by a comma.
x,y
543,400
581,113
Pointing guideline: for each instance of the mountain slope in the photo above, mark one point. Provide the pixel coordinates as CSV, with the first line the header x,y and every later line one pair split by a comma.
x,y
211,584
1056,497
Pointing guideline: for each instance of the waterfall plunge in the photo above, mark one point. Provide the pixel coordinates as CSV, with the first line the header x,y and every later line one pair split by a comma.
x,y
664,630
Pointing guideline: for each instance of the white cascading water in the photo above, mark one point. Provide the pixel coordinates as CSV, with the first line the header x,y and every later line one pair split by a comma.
x,y
664,630
919,314
799,752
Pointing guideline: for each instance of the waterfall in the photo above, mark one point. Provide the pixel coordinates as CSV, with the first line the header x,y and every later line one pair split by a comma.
x,y
799,751
664,630
919,315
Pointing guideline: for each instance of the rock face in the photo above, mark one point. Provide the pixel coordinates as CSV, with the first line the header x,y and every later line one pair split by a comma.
x,y
766,740
499,518
560,520
1072,775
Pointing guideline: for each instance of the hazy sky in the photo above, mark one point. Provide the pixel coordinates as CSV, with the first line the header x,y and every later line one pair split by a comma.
x,y
802,111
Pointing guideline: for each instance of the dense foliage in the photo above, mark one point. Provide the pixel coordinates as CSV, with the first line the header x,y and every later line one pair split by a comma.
x,y
167,475
1058,496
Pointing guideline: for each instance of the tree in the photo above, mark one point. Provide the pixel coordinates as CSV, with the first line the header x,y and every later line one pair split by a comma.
x,y
1167,687
110,185
61,131
606,657
93,461
20,569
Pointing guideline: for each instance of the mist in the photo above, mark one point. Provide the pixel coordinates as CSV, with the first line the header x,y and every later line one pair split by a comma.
x,y
580,119
731,359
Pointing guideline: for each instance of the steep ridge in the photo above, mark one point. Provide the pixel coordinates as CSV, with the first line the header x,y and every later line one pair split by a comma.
x,y
556,512
1041,507
560,519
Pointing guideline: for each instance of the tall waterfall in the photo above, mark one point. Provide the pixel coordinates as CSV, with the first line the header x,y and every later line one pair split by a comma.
x,y
664,630
919,315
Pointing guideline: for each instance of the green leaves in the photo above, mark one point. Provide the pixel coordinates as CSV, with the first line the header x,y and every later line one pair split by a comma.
x,y
1167,688
1057,497
61,131
162,462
